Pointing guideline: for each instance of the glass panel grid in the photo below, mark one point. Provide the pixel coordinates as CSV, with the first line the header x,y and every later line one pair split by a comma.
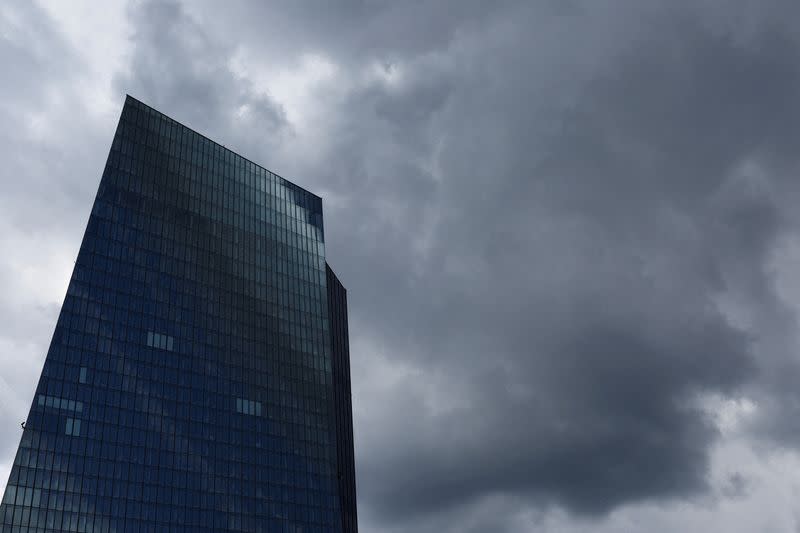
x,y
194,344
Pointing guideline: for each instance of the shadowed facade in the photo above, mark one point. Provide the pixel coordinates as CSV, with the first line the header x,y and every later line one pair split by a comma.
x,y
198,376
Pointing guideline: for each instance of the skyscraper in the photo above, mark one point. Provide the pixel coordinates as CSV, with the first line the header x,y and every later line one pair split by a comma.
x,y
198,378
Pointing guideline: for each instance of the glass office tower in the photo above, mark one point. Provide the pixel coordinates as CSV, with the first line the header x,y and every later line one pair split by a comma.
x,y
198,378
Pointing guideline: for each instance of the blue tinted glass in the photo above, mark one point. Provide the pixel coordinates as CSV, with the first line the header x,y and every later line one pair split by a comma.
x,y
198,377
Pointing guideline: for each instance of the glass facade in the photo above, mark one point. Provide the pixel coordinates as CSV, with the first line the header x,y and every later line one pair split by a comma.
x,y
340,364
198,376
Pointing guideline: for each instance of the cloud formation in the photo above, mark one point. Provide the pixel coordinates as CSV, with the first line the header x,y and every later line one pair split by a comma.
x,y
567,232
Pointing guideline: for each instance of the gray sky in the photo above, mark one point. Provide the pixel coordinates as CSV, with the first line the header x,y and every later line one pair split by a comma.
x,y
568,232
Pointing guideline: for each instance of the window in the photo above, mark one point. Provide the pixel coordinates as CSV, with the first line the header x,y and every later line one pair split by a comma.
x,y
60,403
248,407
73,428
162,342
11,493
82,378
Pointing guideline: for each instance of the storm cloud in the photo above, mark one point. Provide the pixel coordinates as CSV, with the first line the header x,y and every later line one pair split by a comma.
x,y
567,230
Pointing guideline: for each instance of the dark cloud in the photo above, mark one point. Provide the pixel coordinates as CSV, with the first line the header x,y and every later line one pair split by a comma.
x,y
177,66
38,79
544,248
353,31
557,223
574,257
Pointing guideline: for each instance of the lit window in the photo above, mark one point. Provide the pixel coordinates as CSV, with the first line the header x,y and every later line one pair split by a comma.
x,y
162,342
73,428
60,403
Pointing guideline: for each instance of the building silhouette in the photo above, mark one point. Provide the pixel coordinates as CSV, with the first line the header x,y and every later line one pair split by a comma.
x,y
198,377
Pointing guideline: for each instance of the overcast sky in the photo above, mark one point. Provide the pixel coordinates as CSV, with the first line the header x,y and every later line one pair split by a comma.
x,y
569,232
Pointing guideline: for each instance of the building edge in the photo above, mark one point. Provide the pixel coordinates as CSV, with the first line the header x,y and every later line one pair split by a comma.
x,y
342,403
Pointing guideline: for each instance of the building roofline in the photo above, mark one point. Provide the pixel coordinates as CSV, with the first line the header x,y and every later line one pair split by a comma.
x,y
128,96
333,272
